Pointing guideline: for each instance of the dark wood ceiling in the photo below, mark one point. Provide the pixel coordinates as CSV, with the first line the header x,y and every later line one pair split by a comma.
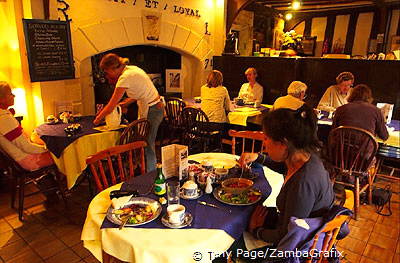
x,y
316,5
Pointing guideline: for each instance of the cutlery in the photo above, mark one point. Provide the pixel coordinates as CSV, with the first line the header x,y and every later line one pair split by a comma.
x,y
214,206
125,220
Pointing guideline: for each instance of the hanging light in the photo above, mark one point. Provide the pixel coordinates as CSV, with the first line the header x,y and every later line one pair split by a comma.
x,y
296,5
288,16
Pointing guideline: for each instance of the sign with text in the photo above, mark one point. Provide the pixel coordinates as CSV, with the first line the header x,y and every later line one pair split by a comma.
x,y
48,43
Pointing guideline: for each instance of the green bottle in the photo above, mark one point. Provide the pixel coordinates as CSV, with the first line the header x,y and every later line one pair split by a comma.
x,y
159,183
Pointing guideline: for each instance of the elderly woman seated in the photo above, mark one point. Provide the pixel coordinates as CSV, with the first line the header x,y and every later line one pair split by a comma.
x,y
294,100
336,95
12,139
360,113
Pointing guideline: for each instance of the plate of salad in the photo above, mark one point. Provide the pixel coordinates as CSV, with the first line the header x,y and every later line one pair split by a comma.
x,y
138,211
249,197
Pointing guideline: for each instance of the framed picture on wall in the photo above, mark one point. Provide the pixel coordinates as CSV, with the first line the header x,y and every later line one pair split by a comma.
x,y
308,44
173,80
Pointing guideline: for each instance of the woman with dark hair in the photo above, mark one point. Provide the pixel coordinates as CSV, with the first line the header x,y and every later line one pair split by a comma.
x,y
290,138
215,101
360,113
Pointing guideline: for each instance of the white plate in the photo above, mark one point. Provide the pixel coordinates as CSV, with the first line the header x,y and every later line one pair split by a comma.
x,y
217,196
187,220
138,201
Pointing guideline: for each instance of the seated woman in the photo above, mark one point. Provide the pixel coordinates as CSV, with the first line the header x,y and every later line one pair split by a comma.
x,y
251,91
12,139
294,100
336,95
307,191
360,113
215,101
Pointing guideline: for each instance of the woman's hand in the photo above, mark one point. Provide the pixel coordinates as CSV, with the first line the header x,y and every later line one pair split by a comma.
x,y
246,158
257,218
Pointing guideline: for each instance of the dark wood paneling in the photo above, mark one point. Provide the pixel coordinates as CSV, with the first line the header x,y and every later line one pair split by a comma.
x,y
275,75
307,27
351,30
329,31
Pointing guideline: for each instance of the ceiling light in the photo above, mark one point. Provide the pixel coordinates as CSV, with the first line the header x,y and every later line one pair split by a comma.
x,y
288,16
296,5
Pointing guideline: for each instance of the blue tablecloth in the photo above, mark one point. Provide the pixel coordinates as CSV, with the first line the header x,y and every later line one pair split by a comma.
x,y
233,223
56,138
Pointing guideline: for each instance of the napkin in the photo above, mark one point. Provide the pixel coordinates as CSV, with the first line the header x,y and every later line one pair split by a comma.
x,y
120,202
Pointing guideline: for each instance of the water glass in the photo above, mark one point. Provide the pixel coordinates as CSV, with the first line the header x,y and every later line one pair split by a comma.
x,y
173,191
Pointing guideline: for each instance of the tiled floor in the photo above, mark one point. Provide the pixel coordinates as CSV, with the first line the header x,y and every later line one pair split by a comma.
x,y
51,234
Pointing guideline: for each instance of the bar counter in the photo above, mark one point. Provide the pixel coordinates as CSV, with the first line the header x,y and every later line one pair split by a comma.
x,y
276,73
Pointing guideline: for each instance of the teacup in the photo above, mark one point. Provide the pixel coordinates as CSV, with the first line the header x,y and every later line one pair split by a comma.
x,y
176,214
189,189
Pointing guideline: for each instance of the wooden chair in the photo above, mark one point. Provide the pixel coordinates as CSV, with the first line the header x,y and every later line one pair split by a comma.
x,y
107,172
198,129
253,138
22,178
136,131
331,230
173,109
351,152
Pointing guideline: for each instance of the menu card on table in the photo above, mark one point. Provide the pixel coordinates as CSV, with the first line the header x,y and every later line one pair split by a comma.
x,y
175,161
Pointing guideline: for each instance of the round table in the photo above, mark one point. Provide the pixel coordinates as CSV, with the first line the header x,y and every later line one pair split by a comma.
x,y
157,245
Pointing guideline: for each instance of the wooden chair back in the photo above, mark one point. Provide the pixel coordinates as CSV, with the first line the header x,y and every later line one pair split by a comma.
x,y
137,130
255,139
351,150
173,109
191,116
117,164
331,230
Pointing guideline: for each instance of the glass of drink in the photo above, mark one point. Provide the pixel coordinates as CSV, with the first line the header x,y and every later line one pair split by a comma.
x,y
173,191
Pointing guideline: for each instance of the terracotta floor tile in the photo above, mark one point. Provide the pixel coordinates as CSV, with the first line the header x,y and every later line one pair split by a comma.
x,y
72,238
392,221
378,254
382,241
368,213
398,246
25,257
9,237
385,230
91,259
348,256
66,255
80,250
353,245
4,226
50,249
363,223
359,233
367,260
28,229
396,258
13,249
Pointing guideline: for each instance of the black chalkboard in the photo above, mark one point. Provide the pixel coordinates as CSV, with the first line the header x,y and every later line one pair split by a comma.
x,y
48,43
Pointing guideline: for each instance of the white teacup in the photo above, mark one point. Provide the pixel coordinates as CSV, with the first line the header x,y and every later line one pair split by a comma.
x,y
176,214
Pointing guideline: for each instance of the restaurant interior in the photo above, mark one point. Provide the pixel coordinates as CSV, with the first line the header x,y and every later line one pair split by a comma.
x,y
199,131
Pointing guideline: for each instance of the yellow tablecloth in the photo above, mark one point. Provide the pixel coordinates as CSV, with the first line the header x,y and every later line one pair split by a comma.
x,y
239,116
393,140
73,159
148,245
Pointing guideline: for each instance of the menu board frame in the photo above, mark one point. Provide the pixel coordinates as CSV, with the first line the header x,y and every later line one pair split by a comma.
x,y
63,35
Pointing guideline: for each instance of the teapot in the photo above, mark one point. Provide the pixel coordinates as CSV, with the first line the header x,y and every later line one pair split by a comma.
x,y
113,120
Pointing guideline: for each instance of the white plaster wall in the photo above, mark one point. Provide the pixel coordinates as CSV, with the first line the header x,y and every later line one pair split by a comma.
x,y
361,36
318,26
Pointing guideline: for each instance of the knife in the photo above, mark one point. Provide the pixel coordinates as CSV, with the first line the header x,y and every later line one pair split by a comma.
x,y
214,206
120,193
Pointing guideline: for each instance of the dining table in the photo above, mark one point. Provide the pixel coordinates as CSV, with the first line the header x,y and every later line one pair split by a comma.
x,y
69,151
212,231
241,115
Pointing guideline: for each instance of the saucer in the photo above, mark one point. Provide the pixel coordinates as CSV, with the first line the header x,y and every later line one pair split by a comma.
x,y
187,220
199,194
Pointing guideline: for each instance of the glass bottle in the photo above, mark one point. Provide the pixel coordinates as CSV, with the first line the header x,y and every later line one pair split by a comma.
x,y
159,182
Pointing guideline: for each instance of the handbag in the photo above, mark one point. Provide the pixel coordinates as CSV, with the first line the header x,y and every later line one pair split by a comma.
x,y
381,197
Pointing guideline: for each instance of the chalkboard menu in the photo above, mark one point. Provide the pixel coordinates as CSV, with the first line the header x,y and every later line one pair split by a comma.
x,y
48,43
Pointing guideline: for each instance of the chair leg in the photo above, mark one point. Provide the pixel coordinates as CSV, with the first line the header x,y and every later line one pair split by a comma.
x,y
370,183
14,182
21,192
357,198
58,177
